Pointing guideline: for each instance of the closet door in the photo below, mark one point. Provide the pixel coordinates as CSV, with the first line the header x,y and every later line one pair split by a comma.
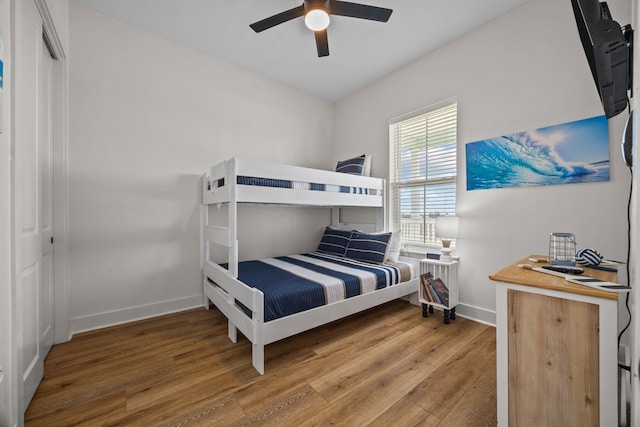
x,y
33,200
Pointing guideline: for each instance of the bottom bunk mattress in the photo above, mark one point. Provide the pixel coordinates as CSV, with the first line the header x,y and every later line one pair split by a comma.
x,y
296,283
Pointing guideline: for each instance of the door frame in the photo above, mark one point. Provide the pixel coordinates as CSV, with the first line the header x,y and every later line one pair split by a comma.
x,y
62,331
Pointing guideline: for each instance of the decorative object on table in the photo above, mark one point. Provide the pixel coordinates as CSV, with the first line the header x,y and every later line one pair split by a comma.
x,y
568,153
588,257
598,284
446,229
562,249
564,269
591,258
555,270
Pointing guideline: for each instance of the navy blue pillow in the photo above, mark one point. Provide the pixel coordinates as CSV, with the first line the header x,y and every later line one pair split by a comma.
x,y
334,241
353,166
368,247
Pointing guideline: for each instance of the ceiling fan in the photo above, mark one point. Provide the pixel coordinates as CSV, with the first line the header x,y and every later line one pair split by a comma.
x,y
316,17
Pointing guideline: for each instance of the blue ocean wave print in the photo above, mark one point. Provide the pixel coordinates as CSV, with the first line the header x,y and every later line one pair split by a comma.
x,y
563,154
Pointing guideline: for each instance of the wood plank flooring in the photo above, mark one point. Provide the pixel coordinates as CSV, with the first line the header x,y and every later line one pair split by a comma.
x,y
386,366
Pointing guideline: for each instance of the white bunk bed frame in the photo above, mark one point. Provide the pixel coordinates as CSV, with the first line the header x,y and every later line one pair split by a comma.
x,y
226,289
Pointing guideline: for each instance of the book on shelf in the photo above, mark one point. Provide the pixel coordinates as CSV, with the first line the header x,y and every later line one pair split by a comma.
x,y
434,290
441,289
424,280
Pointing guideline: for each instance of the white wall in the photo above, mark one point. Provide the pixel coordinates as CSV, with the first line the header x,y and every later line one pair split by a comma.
x,y
147,118
522,71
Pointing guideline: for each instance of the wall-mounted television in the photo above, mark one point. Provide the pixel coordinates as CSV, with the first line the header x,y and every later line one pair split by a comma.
x,y
608,48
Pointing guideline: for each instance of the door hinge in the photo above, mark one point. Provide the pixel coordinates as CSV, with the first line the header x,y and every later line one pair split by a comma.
x,y
52,240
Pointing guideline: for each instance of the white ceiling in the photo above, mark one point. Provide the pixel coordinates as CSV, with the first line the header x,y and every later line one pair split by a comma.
x,y
360,51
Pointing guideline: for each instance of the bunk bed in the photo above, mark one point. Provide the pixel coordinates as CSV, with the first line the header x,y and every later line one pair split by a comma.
x,y
230,285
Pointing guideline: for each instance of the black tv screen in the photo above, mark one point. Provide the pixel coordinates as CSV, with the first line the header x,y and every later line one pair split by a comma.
x,y
608,51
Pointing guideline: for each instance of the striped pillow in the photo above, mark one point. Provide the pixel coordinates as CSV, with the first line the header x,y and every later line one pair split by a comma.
x,y
334,241
353,166
368,247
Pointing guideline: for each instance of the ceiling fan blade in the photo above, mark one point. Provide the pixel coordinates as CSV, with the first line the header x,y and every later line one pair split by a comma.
x,y
357,10
322,43
277,19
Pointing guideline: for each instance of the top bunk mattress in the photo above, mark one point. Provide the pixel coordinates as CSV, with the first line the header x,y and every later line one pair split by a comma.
x,y
245,180
296,283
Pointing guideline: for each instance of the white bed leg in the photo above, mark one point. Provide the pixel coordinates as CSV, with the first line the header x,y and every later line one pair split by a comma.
x,y
233,332
258,357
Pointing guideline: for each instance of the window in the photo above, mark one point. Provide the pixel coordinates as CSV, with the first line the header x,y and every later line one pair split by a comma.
x,y
422,171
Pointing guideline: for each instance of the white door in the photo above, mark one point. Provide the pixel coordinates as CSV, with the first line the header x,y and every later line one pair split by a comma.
x,y
33,197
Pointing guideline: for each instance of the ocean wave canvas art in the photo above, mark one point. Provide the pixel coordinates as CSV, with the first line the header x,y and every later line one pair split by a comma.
x,y
569,153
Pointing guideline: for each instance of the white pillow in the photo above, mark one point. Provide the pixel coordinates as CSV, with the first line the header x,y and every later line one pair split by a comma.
x,y
366,168
393,253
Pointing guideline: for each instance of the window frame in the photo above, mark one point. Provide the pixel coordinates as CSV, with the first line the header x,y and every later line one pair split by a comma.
x,y
419,181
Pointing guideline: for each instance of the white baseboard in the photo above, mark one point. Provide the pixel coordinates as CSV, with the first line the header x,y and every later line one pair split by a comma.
x,y
477,314
132,314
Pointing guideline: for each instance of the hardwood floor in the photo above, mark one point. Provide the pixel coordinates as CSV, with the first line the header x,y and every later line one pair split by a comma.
x,y
386,366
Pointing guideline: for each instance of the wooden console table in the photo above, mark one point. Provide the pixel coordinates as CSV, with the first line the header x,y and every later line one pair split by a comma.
x,y
557,349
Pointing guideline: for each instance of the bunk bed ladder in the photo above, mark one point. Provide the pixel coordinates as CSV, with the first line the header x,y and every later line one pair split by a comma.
x,y
226,237
223,236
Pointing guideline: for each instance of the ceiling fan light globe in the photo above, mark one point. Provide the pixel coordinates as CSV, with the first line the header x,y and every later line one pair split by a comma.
x,y
317,20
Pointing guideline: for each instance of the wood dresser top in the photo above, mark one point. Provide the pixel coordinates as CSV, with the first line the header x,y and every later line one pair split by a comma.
x,y
520,276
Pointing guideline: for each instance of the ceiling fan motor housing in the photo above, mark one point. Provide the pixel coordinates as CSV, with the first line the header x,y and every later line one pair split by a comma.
x,y
317,4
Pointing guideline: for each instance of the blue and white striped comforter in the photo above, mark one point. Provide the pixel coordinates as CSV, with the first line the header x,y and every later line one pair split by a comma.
x,y
295,283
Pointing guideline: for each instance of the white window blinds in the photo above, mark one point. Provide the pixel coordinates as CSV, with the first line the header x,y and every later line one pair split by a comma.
x,y
423,171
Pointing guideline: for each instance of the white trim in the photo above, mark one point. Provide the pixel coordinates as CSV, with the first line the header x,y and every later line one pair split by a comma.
x,y
423,110
50,32
61,330
471,312
132,314
406,152
477,314
16,415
